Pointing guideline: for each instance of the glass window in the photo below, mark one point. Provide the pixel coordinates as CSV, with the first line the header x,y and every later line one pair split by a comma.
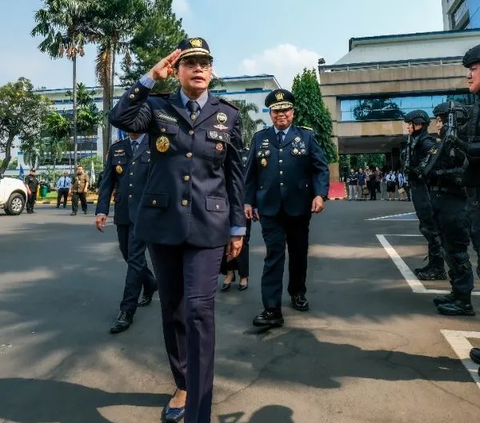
x,y
395,108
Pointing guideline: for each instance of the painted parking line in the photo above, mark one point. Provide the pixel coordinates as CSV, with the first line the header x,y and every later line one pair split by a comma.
x,y
401,217
415,284
459,341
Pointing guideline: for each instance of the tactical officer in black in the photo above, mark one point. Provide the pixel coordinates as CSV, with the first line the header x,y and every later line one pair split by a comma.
x,y
416,151
287,179
126,173
443,172
32,183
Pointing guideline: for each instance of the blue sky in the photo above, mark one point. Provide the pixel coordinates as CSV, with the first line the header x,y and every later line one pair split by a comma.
x,y
246,37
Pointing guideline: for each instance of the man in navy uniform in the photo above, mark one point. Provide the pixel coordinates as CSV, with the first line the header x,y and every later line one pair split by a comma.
x,y
191,209
126,172
286,180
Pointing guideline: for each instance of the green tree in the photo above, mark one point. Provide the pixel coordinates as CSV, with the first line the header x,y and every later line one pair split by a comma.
x,y
88,115
310,110
65,24
22,116
13,164
114,23
57,128
158,34
248,126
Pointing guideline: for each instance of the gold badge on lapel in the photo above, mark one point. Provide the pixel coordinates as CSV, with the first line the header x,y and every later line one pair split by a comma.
x,y
263,162
219,146
162,144
119,169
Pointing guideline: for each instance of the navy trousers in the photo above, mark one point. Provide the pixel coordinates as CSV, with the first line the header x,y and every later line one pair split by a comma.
x,y
423,208
278,232
138,273
473,215
187,281
449,212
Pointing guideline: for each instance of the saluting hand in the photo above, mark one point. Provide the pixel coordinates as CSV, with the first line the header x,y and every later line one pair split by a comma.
x,y
234,247
100,222
164,68
317,204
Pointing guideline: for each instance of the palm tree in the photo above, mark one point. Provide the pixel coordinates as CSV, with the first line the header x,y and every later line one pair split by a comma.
x,y
114,22
248,126
65,26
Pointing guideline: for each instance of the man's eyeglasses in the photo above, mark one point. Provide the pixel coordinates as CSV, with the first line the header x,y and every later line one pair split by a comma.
x,y
191,63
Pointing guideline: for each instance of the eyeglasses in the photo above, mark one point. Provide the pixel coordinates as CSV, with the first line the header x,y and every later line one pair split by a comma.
x,y
193,63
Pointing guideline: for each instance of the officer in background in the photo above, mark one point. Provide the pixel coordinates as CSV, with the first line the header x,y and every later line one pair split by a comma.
x,y
191,208
126,172
32,183
444,172
63,188
78,190
416,151
287,179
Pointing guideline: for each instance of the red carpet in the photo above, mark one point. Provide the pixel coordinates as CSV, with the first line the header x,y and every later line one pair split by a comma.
x,y
337,191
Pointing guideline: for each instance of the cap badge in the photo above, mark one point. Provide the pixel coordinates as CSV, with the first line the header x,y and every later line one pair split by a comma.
x,y
221,118
279,96
162,144
196,43
119,169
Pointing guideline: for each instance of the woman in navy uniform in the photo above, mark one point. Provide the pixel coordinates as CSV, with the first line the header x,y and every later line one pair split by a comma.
x,y
287,179
191,208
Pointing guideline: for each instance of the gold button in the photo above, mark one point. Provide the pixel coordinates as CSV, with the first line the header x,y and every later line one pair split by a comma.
x,y
184,203
189,155
186,178
131,185
281,172
191,132
133,163
163,129
281,150
280,161
154,202
217,207
132,96
131,173
130,196
281,184
148,159
137,90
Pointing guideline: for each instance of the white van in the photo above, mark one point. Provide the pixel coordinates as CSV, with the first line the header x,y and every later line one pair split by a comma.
x,y
13,195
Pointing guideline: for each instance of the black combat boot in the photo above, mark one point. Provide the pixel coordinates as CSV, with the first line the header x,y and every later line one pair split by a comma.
x,y
461,306
475,355
432,274
421,269
445,298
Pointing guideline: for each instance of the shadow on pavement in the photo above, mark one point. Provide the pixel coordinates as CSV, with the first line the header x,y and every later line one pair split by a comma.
x,y
31,401
267,414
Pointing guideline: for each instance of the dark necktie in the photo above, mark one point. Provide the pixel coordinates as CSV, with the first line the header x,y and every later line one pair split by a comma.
x,y
64,182
194,108
280,135
134,146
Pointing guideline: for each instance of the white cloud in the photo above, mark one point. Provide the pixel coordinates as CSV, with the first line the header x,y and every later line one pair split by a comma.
x,y
180,7
284,61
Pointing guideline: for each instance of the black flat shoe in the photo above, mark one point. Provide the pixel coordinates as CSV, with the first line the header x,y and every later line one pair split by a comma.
x,y
122,322
243,287
226,286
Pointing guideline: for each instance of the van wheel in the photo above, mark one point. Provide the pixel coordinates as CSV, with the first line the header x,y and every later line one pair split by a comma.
x,y
15,204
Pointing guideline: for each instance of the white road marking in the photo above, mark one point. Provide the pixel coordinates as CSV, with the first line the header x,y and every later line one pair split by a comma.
x,y
393,216
460,344
416,285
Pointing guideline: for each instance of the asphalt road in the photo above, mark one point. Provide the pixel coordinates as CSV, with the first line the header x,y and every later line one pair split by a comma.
x,y
370,350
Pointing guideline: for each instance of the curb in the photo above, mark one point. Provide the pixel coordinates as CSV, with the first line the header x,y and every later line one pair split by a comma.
x,y
54,202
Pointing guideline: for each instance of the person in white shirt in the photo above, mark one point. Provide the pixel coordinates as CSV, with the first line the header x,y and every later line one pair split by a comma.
x,y
63,187
390,185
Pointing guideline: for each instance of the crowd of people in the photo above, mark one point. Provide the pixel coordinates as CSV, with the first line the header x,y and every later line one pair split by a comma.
x,y
372,182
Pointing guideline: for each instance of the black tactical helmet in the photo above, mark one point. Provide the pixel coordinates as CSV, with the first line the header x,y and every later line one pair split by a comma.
x,y
471,57
442,110
417,117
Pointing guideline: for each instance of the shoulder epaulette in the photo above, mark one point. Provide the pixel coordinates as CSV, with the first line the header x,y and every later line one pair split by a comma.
x,y
261,130
222,100
305,127
116,142
164,95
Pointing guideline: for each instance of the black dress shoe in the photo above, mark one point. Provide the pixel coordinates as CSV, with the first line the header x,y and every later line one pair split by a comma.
x,y
73,213
299,302
145,300
475,355
457,308
226,286
171,414
269,318
122,322
243,287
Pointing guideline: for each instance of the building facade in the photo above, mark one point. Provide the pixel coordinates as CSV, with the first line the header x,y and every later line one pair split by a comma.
x,y
461,14
380,79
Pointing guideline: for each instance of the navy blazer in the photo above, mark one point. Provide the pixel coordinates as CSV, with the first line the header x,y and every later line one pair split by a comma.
x,y
127,175
195,188
285,177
